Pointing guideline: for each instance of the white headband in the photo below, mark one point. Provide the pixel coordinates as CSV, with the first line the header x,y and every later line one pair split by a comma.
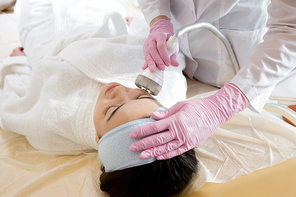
x,y
114,146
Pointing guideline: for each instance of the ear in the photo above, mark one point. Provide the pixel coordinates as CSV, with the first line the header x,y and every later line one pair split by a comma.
x,y
97,139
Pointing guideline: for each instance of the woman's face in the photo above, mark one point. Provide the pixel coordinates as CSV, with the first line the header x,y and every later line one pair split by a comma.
x,y
118,104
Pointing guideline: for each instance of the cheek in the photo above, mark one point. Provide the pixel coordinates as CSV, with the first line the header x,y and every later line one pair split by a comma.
x,y
97,123
98,117
141,110
100,128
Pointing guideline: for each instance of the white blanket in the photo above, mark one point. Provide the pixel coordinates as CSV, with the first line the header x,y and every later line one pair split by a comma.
x,y
70,64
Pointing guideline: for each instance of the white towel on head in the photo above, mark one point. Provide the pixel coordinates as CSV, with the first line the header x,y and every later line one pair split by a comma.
x,y
55,113
68,72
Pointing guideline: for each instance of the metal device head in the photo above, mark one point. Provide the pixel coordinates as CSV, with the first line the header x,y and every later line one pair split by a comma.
x,y
150,82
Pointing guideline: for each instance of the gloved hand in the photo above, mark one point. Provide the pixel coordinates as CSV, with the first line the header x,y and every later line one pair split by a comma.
x,y
187,123
155,49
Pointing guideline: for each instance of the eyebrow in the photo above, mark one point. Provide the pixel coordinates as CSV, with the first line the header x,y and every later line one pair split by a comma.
x,y
113,113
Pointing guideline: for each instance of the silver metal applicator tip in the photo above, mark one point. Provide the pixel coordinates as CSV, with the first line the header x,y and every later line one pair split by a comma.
x,y
150,82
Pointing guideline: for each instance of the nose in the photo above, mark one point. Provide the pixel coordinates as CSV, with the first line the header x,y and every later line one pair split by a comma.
x,y
121,94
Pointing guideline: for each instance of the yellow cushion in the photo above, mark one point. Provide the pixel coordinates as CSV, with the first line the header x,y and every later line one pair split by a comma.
x,y
274,181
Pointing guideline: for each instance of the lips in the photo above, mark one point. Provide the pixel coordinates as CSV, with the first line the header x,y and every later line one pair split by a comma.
x,y
111,87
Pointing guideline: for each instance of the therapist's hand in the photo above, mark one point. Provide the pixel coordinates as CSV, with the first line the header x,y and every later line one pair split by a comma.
x,y
155,49
187,124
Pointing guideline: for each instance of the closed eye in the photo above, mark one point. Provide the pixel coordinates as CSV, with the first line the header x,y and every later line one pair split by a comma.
x,y
145,96
138,97
112,114
107,108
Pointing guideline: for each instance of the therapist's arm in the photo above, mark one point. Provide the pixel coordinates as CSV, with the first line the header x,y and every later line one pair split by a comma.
x,y
152,9
274,58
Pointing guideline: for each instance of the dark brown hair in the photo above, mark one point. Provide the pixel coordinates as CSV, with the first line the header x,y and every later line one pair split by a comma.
x,y
161,178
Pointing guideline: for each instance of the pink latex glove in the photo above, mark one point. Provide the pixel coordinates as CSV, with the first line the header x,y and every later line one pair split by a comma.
x,y
187,123
155,49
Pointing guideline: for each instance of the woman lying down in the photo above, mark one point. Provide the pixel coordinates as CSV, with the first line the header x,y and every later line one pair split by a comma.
x,y
74,92
71,91
118,110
